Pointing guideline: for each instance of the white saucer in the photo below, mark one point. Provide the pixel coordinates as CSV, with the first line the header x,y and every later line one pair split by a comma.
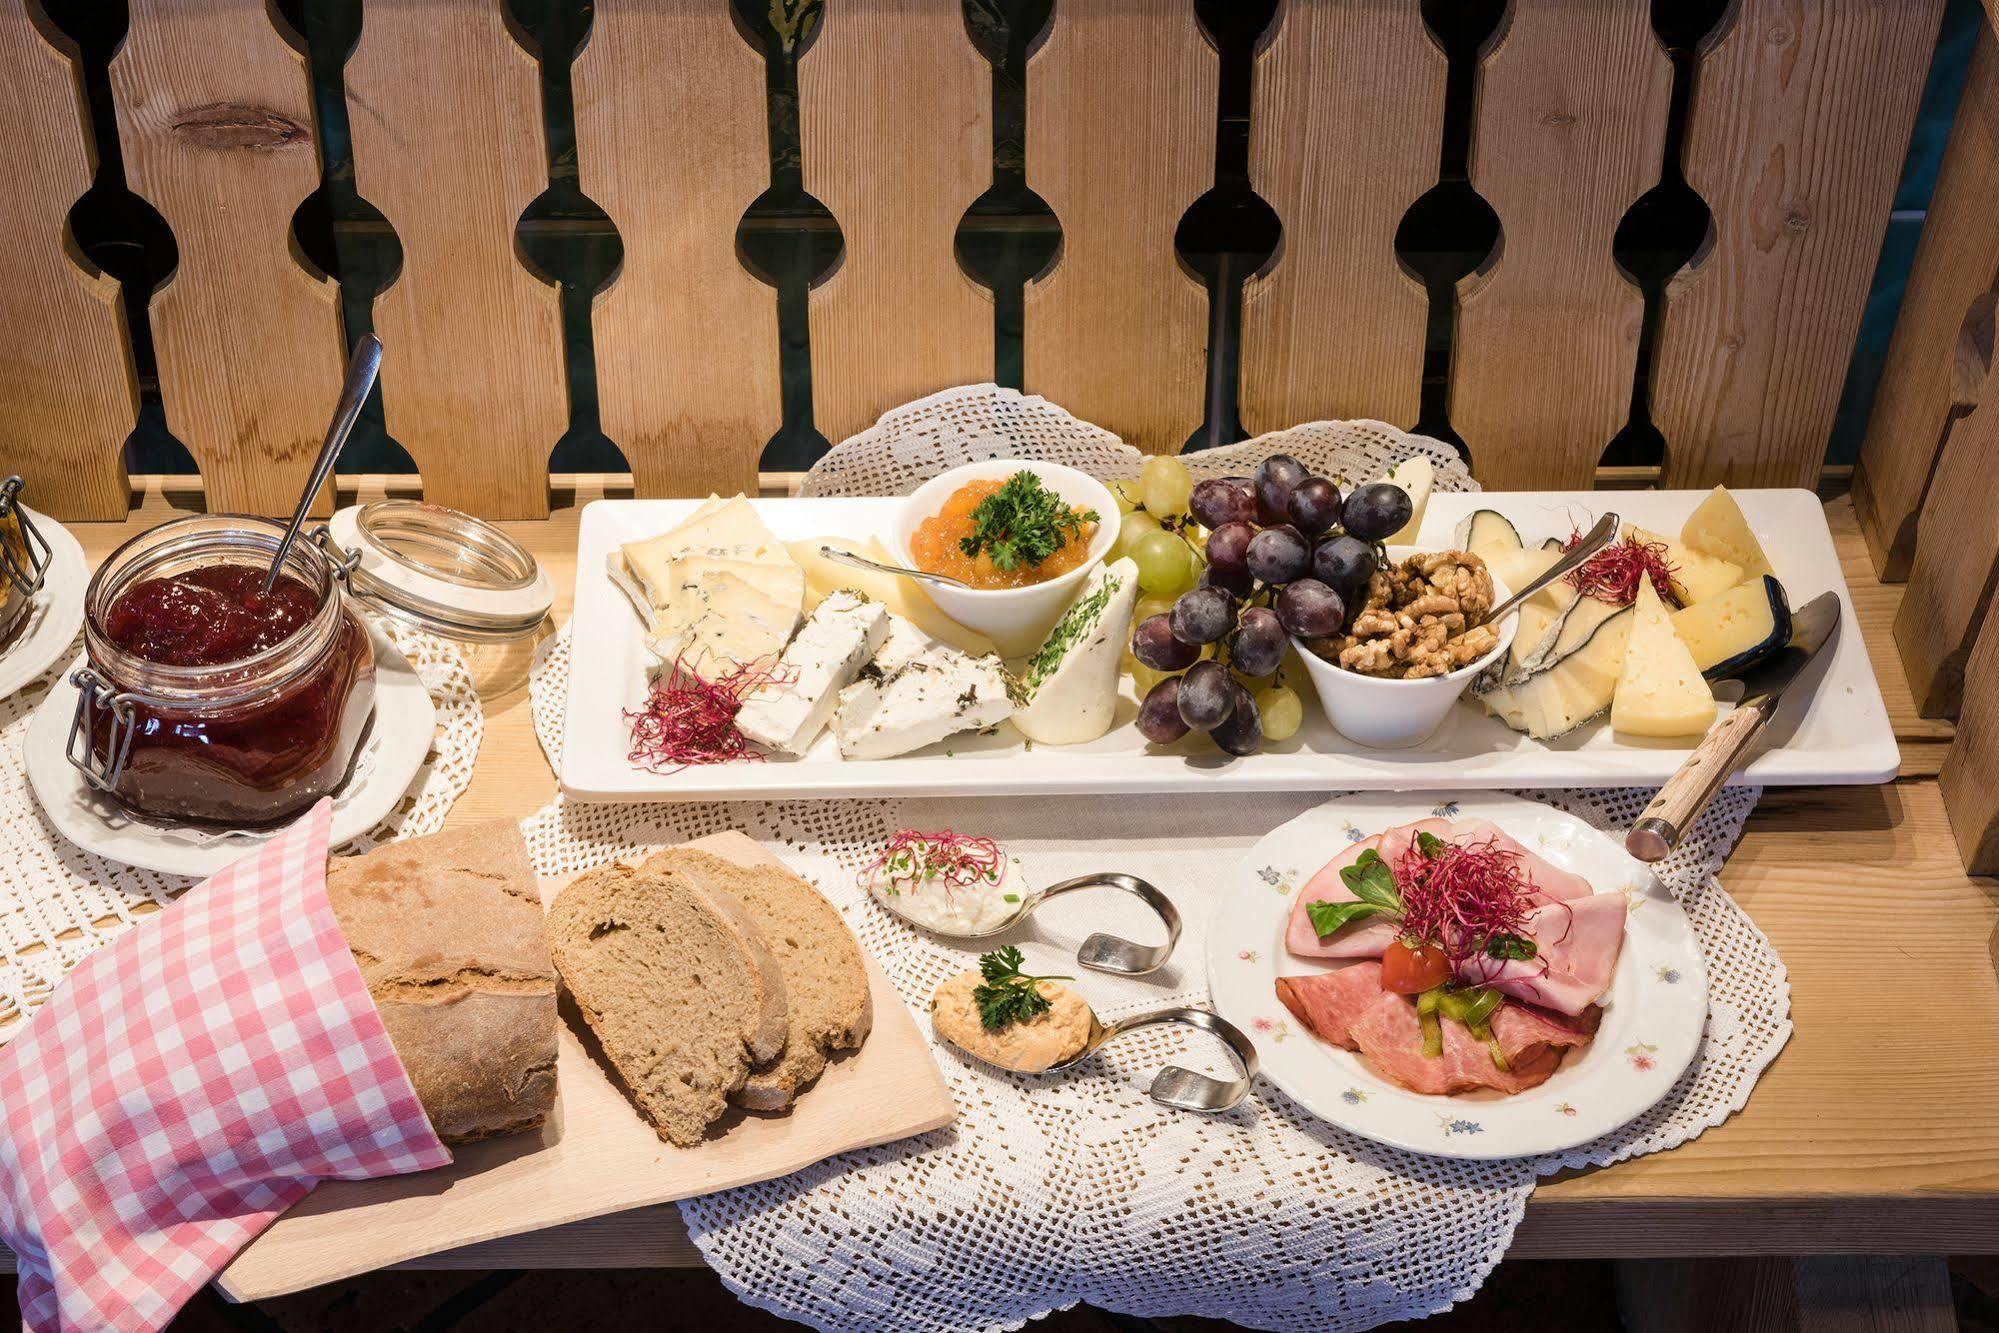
x,y
57,614
405,720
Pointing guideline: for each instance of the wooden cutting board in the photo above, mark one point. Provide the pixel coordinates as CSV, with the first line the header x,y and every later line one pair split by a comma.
x,y
598,1156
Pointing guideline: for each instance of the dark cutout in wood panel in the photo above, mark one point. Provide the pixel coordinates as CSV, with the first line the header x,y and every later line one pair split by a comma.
x,y
1120,141
895,110
445,107
1957,258
68,395
687,346
215,118
1334,326
1570,130
1801,116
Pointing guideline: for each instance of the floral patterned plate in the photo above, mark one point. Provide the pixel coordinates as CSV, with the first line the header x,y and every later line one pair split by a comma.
x,y
1653,1017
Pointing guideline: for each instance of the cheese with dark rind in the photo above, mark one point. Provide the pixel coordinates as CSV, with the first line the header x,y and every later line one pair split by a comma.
x,y
1732,632
1571,691
1485,531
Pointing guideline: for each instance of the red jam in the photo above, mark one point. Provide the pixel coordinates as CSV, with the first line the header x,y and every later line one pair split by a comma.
x,y
269,738
209,616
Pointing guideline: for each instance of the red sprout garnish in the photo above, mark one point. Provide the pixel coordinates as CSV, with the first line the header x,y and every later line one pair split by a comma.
x,y
690,719
954,860
1463,897
1612,574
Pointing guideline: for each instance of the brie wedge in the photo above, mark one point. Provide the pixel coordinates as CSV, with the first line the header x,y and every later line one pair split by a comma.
x,y
936,696
840,637
1660,691
1070,686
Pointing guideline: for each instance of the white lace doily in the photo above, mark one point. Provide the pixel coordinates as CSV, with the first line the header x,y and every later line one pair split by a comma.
x,y
57,902
1054,1190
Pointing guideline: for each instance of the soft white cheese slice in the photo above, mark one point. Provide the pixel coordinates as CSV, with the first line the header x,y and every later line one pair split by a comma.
x,y
839,638
904,643
1660,691
1070,685
936,696
1417,476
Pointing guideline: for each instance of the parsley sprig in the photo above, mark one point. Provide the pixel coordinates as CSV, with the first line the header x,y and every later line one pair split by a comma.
x,y
1009,995
1023,523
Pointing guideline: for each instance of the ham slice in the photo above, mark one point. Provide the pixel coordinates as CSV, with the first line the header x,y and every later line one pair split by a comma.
x,y
1349,1009
1548,879
1576,944
1367,937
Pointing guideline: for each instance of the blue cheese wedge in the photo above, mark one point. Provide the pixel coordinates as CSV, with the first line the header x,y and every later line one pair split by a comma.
x,y
1070,687
841,636
719,622
937,695
716,588
1660,691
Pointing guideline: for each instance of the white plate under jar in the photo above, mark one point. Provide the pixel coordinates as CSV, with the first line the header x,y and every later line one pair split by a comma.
x,y
55,612
1654,1016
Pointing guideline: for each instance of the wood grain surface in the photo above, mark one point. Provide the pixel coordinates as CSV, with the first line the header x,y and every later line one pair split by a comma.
x,y
1571,126
599,1156
1799,122
1334,326
215,119
1969,782
445,109
68,394
686,338
1876,1131
1957,259
1120,143
895,116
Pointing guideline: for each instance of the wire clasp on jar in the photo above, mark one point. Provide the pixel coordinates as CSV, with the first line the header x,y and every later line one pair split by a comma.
x,y
94,695
34,546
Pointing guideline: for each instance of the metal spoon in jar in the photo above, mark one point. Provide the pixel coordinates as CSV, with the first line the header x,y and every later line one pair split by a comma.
x,y
362,368
1100,952
1595,540
839,556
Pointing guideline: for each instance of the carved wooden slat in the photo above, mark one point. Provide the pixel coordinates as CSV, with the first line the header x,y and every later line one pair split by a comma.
x,y
215,119
445,107
1957,258
1334,327
895,111
1800,118
68,396
1120,141
1970,777
1570,130
687,345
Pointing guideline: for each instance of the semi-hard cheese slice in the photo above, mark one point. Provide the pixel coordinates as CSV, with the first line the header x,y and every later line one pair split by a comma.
x,y
1696,577
1734,631
1561,697
898,594
1660,691
1717,528
1540,615
1417,476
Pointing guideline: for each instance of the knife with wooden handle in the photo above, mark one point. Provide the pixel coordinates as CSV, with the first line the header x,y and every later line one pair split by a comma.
x,y
1722,751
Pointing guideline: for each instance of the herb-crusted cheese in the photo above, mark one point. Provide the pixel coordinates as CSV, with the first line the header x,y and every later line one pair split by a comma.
x,y
1070,686
838,639
939,694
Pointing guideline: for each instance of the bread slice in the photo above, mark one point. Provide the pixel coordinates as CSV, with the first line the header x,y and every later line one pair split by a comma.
x,y
679,988
449,935
824,978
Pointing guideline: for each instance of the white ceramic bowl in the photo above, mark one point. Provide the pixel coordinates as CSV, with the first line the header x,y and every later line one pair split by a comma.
x,y
1017,619
1387,714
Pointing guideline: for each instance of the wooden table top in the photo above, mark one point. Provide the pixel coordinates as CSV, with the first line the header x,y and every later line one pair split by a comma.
x,y
1876,1131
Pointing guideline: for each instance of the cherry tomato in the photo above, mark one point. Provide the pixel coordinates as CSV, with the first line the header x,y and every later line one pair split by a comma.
x,y
1410,969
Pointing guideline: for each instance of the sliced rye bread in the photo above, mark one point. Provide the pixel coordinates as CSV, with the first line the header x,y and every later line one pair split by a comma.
x,y
678,986
825,979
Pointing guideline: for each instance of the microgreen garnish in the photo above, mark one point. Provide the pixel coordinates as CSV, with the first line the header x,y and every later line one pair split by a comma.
x,y
1009,995
1023,523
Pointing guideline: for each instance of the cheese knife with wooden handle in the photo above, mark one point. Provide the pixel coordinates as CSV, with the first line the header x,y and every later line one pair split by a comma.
x,y
1722,751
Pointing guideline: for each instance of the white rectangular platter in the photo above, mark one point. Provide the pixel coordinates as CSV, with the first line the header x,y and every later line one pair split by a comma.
x,y
1832,728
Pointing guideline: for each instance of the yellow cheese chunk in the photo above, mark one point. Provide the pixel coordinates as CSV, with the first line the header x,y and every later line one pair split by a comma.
x,y
898,594
1660,691
1696,577
1741,620
1717,528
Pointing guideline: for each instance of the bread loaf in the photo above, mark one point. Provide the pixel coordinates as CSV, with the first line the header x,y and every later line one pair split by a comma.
x,y
679,987
825,981
449,932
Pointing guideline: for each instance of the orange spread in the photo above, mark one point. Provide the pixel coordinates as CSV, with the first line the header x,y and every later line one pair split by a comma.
x,y
934,547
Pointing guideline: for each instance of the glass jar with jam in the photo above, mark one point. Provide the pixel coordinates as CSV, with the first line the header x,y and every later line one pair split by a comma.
x,y
208,700
24,559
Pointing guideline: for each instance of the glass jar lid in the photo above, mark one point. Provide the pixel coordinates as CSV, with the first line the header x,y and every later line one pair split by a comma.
x,y
441,570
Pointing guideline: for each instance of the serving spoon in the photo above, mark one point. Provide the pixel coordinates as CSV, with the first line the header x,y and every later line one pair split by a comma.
x,y
1101,952
1595,540
1172,1086
362,368
838,556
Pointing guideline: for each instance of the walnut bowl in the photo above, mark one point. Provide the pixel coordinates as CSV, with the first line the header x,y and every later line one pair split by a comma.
x,y
1385,713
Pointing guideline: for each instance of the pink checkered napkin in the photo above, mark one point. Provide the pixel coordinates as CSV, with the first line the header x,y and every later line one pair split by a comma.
x,y
188,1083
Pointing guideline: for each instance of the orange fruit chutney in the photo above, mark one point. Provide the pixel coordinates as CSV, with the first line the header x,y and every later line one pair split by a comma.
x,y
934,546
